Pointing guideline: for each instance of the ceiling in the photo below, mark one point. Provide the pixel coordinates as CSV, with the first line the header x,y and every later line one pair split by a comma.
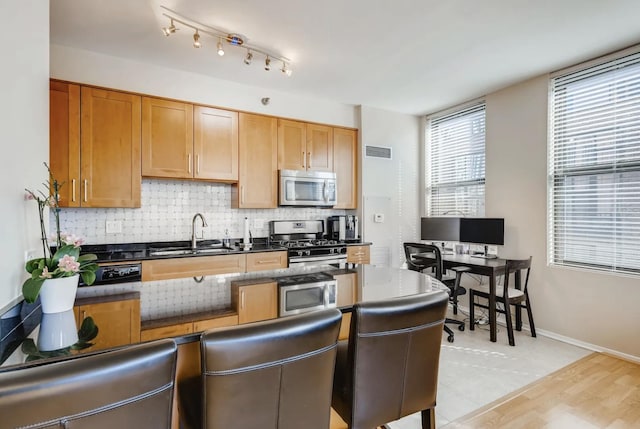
x,y
409,56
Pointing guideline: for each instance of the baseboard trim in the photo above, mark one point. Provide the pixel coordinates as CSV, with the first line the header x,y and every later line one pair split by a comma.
x,y
568,340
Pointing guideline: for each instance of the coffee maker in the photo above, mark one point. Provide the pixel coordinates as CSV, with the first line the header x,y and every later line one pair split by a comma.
x,y
342,228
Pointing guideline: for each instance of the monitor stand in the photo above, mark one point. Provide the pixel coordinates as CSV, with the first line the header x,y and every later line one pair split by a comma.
x,y
484,255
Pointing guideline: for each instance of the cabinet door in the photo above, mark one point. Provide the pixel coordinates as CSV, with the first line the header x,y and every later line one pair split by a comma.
x,y
218,322
345,165
215,144
292,145
358,254
319,148
118,322
167,138
166,331
257,302
258,163
64,140
110,148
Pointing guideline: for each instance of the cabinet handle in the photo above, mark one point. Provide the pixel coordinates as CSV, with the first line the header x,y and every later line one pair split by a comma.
x,y
189,163
242,300
308,159
197,164
86,183
73,190
84,314
267,261
304,160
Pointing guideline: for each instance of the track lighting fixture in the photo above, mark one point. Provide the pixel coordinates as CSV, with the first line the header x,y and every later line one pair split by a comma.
x,y
224,38
196,40
248,58
168,31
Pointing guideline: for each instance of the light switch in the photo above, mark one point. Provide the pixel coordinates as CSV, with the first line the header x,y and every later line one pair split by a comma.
x,y
378,217
113,227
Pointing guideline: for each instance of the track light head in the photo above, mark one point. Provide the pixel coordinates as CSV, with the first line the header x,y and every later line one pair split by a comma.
x,y
168,31
248,58
220,49
196,40
286,70
267,64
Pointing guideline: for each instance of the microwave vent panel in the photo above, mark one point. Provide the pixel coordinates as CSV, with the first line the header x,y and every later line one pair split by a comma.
x,y
378,152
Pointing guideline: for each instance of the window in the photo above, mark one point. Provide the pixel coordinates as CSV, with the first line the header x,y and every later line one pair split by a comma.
x,y
594,167
455,162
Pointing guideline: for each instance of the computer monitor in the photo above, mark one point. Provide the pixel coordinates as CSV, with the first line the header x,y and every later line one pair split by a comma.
x,y
483,230
440,229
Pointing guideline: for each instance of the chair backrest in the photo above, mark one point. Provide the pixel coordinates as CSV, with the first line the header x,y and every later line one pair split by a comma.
x,y
433,259
273,374
516,268
393,356
128,387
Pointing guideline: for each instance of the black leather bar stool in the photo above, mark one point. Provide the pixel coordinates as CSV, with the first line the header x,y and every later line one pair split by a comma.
x,y
130,387
389,367
275,374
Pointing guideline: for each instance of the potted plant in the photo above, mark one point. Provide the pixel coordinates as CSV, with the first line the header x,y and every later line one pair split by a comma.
x,y
55,275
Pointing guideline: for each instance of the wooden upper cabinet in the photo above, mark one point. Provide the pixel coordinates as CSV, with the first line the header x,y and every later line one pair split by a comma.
x,y
64,140
292,145
303,146
319,148
215,144
167,138
110,148
345,165
257,163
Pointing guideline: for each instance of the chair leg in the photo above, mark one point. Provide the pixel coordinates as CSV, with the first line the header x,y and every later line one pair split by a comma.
x,y
518,317
448,331
428,419
507,314
530,314
472,318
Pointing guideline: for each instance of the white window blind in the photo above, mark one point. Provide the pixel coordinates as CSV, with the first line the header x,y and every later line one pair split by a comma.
x,y
456,162
594,167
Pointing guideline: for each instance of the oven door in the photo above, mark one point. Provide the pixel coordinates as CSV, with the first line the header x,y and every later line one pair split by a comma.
x,y
307,190
296,299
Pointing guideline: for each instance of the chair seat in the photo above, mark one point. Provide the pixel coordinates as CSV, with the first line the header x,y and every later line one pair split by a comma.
x,y
513,292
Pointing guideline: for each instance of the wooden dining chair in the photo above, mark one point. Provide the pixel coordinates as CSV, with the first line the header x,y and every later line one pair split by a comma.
x,y
513,292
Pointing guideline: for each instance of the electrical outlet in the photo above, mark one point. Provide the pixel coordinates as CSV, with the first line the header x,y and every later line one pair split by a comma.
x,y
258,223
113,226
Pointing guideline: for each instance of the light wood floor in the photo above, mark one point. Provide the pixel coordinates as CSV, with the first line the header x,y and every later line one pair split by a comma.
x,y
597,391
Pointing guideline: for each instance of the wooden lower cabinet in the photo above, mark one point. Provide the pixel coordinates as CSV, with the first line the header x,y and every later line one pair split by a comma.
x,y
118,320
166,331
345,327
175,268
358,254
254,301
266,261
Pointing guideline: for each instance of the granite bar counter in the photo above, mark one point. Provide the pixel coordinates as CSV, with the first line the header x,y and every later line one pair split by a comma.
x,y
168,303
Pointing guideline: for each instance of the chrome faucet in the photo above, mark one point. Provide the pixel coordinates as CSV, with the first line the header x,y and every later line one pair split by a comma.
x,y
194,240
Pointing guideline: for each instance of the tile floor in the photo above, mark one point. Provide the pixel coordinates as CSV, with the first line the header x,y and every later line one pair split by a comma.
x,y
475,371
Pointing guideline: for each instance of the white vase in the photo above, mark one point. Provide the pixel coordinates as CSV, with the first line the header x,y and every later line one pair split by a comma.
x,y
57,331
57,295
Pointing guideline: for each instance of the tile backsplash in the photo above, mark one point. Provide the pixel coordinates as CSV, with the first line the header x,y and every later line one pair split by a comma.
x,y
167,209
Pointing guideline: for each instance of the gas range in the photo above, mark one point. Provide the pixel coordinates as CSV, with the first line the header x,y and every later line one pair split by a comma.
x,y
305,243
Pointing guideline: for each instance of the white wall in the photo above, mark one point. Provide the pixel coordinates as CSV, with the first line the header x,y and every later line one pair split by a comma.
x,y
600,309
24,121
118,73
391,186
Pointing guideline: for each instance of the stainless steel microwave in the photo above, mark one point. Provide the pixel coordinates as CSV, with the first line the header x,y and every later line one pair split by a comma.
x,y
307,188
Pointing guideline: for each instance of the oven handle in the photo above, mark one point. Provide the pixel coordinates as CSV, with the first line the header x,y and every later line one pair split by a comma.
x,y
336,258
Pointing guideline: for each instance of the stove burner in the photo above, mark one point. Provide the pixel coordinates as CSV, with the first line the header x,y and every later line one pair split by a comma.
x,y
306,243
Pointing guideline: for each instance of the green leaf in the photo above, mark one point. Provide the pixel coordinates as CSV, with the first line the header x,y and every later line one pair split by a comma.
x,y
87,257
33,264
88,330
31,289
88,277
29,347
67,249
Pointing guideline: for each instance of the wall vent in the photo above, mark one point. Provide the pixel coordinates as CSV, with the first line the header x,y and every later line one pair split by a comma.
x,y
378,152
